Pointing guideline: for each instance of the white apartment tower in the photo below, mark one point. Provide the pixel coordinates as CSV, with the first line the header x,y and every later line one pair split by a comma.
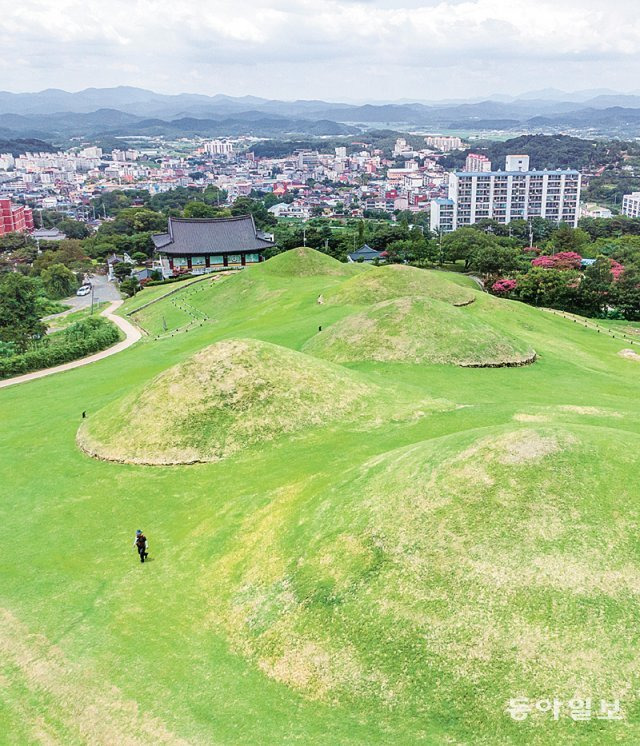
x,y
517,163
631,205
218,147
477,163
443,143
518,194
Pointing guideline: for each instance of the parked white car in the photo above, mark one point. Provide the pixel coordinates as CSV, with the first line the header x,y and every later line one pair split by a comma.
x,y
83,290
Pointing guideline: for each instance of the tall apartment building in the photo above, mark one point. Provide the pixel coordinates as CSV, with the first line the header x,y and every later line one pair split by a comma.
x,y
518,194
476,163
631,205
308,159
14,218
443,215
218,147
443,143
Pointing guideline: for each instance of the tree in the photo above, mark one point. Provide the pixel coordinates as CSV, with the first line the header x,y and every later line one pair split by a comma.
x,y
596,286
200,210
20,322
139,257
58,281
561,260
553,288
13,241
134,220
122,270
463,243
566,238
262,217
494,259
626,295
130,286
74,229
70,253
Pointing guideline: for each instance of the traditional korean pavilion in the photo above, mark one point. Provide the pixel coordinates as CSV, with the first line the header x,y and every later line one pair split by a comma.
x,y
208,244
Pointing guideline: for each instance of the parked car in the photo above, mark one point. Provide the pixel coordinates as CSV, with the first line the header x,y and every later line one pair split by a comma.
x,y
83,290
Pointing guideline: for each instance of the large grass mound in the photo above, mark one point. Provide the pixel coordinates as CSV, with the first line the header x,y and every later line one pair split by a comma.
x,y
304,262
230,395
417,330
396,281
449,576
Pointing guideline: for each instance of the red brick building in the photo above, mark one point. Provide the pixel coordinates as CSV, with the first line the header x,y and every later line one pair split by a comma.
x,y
14,218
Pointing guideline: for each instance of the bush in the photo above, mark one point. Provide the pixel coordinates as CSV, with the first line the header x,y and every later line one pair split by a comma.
x,y
78,340
502,287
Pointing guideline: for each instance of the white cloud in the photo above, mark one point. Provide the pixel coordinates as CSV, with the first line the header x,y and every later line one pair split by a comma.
x,y
303,48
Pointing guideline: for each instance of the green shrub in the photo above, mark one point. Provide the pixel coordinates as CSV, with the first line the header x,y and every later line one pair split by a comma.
x,y
78,340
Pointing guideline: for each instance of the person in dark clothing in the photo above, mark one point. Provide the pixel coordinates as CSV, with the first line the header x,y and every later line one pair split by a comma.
x,y
140,543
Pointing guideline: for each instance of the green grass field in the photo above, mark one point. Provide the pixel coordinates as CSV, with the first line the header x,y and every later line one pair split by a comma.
x,y
62,322
378,551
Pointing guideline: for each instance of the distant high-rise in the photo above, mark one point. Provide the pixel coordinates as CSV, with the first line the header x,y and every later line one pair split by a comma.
x,y
477,163
443,143
308,159
517,163
514,194
218,147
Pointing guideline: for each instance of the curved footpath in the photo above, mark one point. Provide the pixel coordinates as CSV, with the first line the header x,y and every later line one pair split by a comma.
x,y
133,334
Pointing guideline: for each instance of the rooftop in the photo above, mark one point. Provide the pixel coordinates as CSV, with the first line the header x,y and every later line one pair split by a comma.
x,y
486,174
211,236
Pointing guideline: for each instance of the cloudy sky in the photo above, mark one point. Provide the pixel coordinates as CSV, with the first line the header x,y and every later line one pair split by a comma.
x,y
331,49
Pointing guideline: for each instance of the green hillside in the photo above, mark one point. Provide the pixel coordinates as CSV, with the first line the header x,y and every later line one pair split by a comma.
x,y
379,546
397,281
417,330
227,397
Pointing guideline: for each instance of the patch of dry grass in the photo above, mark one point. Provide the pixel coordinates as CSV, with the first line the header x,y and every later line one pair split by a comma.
x,y
69,702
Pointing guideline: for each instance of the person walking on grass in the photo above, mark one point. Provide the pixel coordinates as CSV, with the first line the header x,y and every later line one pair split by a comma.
x,y
140,543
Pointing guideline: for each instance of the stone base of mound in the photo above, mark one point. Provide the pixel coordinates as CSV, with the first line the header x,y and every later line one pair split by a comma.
x,y
503,364
93,453
460,304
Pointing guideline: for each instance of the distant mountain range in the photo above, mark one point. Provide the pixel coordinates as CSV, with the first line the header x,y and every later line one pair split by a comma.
x,y
58,115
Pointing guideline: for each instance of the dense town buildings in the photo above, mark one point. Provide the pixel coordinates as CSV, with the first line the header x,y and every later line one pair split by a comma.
x,y
355,179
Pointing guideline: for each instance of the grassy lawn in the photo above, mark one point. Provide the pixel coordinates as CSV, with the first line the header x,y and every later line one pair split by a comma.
x,y
414,545
62,322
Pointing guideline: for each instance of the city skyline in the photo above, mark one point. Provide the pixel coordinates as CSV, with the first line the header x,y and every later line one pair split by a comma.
x,y
341,51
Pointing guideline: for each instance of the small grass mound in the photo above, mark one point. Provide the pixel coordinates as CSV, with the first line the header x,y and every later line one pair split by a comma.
x,y
417,330
304,262
231,395
397,280
476,567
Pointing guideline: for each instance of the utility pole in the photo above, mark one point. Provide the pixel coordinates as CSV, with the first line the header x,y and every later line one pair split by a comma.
x,y
304,235
530,233
91,314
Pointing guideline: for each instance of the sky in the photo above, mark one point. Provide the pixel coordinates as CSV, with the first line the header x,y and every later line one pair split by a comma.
x,y
340,50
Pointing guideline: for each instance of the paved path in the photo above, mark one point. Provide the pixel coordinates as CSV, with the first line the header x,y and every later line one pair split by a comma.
x,y
133,334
